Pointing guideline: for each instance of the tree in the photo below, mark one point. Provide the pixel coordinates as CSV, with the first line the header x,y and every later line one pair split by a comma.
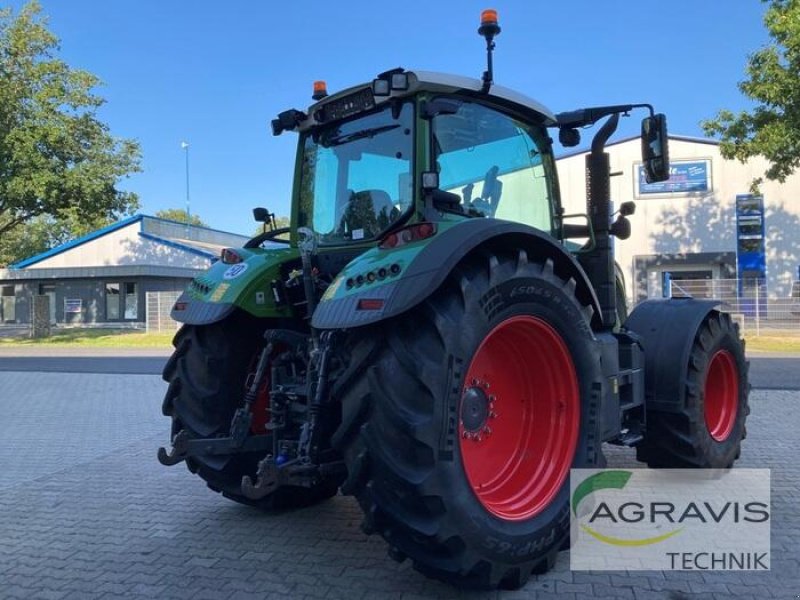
x,y
59,165
772,128
178,214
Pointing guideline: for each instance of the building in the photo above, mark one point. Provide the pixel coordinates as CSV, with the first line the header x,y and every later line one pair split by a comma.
x,y
702,224
103,277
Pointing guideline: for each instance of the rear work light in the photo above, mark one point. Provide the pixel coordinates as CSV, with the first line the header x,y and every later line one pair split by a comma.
x,y
229,256
386,83
412,233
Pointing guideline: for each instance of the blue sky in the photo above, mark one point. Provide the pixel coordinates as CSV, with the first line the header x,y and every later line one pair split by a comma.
x,y
215,73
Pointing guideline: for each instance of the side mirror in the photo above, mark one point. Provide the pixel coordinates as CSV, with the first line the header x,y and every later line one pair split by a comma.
x,y
261,215
655,148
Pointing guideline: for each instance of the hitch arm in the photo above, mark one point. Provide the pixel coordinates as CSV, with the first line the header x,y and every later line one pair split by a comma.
x,y
184,447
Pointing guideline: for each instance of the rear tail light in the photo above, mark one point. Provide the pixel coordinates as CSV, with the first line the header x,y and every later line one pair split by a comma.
x,y
370,304
229,256
412,233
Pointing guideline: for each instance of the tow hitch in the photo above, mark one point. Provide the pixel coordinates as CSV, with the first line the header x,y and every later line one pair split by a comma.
x,y
184,447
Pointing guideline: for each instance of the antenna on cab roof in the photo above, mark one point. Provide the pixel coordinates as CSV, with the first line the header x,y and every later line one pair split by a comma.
x,y
489,29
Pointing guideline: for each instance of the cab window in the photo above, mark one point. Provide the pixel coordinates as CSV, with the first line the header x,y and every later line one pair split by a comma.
x,y
494,163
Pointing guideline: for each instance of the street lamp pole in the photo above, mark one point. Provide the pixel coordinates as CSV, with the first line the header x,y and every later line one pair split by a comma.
x,y
185,146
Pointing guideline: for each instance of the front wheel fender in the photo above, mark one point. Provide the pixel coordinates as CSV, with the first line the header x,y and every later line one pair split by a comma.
x,y
667,329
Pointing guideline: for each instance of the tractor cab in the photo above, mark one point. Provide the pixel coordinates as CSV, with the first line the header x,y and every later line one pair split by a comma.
x,y
414,153
420,146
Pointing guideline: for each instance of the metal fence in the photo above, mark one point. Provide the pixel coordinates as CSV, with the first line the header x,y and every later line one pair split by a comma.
x,y
748,302
751,306
159,305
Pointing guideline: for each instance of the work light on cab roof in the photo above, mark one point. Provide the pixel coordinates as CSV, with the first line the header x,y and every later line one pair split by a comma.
x,y
395,80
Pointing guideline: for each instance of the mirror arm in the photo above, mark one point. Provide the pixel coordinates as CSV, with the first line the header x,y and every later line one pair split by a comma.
x,y
589,116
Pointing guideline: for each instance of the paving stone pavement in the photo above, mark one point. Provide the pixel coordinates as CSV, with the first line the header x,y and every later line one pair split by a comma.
x,y
87,512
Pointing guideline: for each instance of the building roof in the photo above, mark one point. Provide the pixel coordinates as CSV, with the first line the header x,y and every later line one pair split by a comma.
x,y
115,272
193,239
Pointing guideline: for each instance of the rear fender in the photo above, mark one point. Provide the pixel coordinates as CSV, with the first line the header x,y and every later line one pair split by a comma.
x,y
421,267
246,285
666,329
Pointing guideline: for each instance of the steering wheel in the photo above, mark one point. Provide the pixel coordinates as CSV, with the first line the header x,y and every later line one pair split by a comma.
x,y
268,236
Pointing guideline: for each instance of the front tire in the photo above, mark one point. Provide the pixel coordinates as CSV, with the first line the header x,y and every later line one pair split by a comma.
x,y
206,376
462,418
708,430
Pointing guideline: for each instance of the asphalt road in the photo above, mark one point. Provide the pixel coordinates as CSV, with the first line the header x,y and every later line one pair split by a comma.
x,y
766,372
775,372
110,365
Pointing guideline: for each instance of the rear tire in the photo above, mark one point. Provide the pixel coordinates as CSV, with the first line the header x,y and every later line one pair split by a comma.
x,y
417,395
708,430
206,376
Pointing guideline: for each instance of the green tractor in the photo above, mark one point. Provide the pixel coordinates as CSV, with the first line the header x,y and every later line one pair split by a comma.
x,y
432,336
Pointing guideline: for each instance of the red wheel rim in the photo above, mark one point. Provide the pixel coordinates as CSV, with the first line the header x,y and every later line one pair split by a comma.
x,y
721,393
517,457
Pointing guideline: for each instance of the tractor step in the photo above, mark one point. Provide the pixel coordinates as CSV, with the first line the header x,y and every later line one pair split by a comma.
x,y
628,438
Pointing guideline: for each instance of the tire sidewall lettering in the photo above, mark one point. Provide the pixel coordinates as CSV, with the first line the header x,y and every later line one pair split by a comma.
x,y
517,540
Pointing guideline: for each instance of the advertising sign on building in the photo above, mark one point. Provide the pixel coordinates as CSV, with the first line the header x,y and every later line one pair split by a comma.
x,y
684,177
73,305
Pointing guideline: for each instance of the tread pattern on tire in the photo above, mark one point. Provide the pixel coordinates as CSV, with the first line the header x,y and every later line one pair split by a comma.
x,y
389,439
206,376
681,440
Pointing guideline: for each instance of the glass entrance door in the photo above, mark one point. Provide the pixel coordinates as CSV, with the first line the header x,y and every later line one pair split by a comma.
x,y
49,290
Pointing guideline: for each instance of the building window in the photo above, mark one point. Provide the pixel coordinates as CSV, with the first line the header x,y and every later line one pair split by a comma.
x,y
7,304
122,301
131,304
112,301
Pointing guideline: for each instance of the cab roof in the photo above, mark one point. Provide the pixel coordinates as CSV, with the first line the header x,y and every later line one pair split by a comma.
x,y
420,81
432,80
